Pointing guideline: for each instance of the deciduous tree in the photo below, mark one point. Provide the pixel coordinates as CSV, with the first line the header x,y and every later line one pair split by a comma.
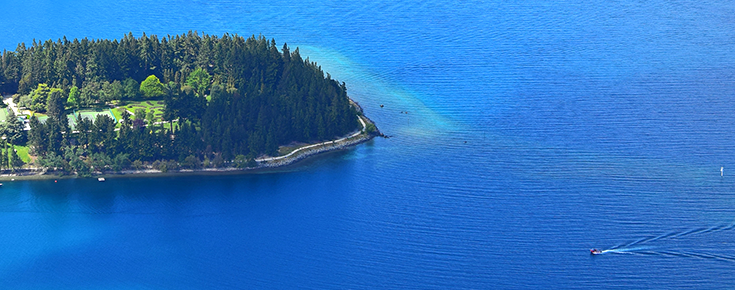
x,y
151,87
200,80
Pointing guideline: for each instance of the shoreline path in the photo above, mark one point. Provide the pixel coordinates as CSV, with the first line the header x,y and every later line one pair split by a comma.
x,y
9,101
268,159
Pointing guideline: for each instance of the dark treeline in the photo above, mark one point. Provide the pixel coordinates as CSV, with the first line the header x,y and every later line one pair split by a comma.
x,y
231,97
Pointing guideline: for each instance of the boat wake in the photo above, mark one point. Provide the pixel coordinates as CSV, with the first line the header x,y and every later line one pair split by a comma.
x,y
650,251
678,235
660,245
626,250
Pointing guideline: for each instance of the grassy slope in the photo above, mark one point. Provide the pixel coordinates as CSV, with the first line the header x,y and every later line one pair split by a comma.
x,y
23,153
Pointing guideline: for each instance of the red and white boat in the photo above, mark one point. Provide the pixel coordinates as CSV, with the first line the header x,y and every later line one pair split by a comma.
x,y
595,252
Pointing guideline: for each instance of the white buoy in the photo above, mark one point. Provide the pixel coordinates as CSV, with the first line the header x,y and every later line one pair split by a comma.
x,y
722,171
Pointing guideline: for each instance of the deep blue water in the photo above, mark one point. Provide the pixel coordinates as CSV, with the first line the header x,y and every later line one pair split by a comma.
x,y
536,131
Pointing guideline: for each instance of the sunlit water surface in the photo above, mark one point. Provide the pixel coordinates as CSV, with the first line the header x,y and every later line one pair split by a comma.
x,y
535,131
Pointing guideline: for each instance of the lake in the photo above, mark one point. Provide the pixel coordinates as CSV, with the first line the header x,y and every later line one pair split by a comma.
x,y
524,134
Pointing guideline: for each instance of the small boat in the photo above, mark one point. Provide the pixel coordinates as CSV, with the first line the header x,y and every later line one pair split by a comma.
x,y
101,179
595,252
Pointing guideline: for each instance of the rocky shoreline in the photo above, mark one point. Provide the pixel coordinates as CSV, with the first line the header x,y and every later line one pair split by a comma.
x,y
299,154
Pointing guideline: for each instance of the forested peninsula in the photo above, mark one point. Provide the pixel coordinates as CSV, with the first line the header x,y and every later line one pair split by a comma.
x,y
176,103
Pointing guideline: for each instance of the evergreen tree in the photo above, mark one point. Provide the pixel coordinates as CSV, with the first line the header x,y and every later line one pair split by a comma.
x,y
15,161
4,155
258,96
55,104
13,129
131,89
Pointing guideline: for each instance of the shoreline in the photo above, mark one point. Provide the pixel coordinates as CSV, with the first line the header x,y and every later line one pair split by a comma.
x,y
264,163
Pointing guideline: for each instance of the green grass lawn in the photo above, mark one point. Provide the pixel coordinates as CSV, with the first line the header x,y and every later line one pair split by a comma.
x,y
117,111
38,115
3,114
23,153
155,105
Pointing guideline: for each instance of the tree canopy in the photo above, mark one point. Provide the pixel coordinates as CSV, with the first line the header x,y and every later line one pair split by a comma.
x,y
151,87
200,81
228,95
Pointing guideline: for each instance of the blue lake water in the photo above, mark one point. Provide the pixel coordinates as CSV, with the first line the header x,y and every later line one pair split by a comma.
x,y
535,131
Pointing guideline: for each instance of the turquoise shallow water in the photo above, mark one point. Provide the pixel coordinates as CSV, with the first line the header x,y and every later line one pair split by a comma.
x,y
536,131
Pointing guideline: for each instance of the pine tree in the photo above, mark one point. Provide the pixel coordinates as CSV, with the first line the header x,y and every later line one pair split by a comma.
x,y
15,161
259,96
3,155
